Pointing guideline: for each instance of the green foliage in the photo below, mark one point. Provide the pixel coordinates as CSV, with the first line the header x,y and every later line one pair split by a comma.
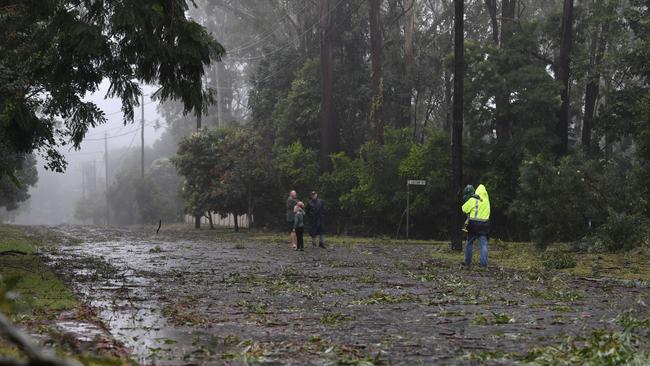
x,y
378,198
296,117
553,260
225,171
20,175
559,201
621,231
334,319
494,318
55,52
298,168
601,347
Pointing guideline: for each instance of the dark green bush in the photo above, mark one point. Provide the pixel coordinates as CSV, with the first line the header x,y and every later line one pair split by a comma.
x,y
558,260
621,232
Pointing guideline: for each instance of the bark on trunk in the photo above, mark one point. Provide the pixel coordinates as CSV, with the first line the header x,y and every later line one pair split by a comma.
x,y
457,127
197,221
502,99
491,6
328,129
409,30
409,61
375,59
598,46
563,77
236,222
210,220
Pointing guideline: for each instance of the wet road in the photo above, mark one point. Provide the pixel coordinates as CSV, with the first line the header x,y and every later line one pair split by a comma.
x,y
186,297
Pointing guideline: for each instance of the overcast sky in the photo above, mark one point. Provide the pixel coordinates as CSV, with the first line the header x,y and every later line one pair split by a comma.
x,y
119,135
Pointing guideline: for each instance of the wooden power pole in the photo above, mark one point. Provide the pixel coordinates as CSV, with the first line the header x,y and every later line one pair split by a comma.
x,y
457,125
108,213
142,137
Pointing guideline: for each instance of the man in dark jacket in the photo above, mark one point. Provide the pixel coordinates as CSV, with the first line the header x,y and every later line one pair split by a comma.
x,y
316,213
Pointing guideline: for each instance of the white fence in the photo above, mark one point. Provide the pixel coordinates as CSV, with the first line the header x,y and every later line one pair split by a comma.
x,y
218,221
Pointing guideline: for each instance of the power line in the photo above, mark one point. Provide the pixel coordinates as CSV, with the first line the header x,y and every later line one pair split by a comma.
x,y
264,37
149,123
290,43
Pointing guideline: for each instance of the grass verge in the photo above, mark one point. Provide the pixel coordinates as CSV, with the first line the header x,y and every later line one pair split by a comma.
x,y
33,296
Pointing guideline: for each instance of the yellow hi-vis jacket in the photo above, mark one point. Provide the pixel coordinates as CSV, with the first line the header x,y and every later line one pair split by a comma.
x,y
478,209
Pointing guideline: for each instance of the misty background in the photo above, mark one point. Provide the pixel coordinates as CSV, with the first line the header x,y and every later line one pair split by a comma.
x,y
54,198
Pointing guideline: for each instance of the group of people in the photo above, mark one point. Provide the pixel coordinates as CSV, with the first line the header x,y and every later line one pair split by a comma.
x,y
476,205
315,213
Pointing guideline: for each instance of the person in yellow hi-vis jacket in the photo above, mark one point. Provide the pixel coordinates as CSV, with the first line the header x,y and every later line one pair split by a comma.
x,y
477,208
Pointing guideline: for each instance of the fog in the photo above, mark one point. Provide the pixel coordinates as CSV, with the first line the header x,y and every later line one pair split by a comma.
x,y
53,199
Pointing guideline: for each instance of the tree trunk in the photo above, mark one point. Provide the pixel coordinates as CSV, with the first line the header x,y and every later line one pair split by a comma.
x,y
502,99
209,215
409,60
197,221
236,217
219,87
401,96
563,77
249,208
457,127
375,59
597,50
491,6
328,130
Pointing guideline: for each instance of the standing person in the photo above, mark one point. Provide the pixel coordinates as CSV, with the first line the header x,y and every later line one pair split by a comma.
x,y
316,213
292,201
477,208
299,225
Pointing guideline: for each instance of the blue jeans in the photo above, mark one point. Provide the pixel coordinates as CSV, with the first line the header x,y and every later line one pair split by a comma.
x,y
484,250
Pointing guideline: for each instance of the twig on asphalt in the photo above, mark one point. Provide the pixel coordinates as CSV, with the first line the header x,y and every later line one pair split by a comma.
x,y
24,343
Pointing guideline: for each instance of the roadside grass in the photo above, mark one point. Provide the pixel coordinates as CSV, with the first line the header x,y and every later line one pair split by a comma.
x,y
32,295
558,258
37,289
513,255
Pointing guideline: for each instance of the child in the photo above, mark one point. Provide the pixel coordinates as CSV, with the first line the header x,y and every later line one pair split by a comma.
x,y
299,225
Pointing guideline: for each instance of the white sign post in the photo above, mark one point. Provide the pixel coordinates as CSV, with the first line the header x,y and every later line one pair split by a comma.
x,y
411,182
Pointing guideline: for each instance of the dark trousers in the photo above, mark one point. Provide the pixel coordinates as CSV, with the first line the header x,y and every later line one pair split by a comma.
x,y
301,241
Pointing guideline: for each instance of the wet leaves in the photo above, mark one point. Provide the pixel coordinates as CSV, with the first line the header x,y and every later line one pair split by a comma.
x,y
359,304
493,319
382,297
334,319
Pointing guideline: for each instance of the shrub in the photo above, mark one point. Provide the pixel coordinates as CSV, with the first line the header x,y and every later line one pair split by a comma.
x,y
621,232
558,260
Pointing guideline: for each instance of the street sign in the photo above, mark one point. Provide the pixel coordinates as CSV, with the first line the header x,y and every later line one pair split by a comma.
x,y
413,182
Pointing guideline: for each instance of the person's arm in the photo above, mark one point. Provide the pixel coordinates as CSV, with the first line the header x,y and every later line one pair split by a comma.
x,y
467,206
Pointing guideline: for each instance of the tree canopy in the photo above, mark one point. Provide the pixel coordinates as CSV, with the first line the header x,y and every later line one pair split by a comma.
x,y
55,52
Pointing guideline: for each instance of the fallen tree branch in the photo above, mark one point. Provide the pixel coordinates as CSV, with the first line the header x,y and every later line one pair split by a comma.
x,y
13,252
23,342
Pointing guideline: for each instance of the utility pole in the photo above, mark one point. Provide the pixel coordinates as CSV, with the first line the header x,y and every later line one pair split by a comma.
x,y
142,137
457,125
218,75
83,181
197,218
108,216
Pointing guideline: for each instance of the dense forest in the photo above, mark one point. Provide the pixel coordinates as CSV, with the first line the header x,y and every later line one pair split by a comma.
x,y
351,98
